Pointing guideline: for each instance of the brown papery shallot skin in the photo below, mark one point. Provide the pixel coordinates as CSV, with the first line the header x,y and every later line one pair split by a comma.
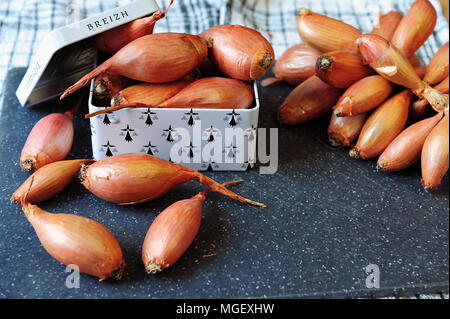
x,y
389,62
415,27
382,126
77,240
342,131
48,181
311,99
387,24
50,140
213,92
437,69
418,108
106,86
341,69
435,155
296,64
239,52
153,58
136,178
115,39
363,96
326,34
171,233
405,149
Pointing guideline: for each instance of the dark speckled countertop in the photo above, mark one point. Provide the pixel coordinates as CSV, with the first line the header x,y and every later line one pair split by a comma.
x,y
328,217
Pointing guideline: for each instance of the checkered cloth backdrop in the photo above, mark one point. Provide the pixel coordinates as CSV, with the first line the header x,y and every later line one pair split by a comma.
x,y
24,23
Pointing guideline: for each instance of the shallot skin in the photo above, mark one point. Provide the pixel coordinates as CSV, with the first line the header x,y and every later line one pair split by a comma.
x,y
435,155
343,130
50,140
153,58
171,233
239,52
77,240
136,178
387,24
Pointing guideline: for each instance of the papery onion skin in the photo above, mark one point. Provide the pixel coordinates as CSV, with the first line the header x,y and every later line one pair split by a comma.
x,y
341,69
77,240
342,131
387,24
311,99
154,58
136,178
406,148
363,96
415,27
48,181
326,34
296,64
382,126
239,52
171,233
50,140
435,155
437,69
106,86
418,107
213,92
389,62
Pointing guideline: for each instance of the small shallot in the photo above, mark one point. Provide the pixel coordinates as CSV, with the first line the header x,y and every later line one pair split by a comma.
x,y
415,27
50,140
363,96
435,155
296,64
214,92
172,232
437,69
153,58
341,69
48,181
342,131
326,34
311,99
77,240
405,149
136,178
239,52
382,126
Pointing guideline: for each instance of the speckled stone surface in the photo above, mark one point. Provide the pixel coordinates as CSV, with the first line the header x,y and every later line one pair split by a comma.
x,y
328,217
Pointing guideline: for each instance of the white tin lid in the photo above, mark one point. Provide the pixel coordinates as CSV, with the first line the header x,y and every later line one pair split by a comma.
x,y
68,53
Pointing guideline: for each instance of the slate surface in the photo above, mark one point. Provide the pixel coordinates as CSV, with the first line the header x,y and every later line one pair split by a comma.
x,y
328,217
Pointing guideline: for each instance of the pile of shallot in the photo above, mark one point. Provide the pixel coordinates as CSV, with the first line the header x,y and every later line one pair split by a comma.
x,y
375,86
178,70
145,69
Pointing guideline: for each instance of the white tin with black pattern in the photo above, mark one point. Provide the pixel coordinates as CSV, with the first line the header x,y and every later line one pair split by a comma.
x,y
218,139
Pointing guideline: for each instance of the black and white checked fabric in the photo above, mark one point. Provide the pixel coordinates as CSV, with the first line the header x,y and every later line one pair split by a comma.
x,y
24,23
